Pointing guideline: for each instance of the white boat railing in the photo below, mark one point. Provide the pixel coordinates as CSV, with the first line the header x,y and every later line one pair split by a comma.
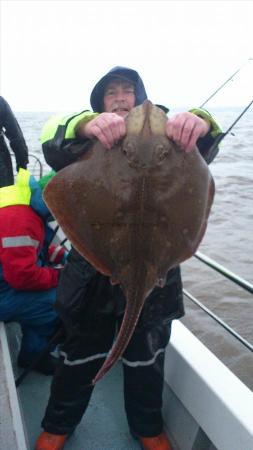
x,y
245,285
217,401
225,272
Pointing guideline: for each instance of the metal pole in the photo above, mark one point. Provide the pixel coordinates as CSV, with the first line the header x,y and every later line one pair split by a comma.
x,y
39,162
220,321
228,274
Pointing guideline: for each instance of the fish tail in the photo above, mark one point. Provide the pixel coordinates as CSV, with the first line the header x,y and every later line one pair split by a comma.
x,y
131,316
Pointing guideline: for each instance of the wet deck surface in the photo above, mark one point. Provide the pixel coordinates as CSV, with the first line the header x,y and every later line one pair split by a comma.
x,y
104,425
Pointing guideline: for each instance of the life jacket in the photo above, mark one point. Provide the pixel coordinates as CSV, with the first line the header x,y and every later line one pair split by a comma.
x,y
26,191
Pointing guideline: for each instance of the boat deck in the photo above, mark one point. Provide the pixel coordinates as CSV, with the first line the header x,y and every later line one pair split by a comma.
x,y
104,425
206,407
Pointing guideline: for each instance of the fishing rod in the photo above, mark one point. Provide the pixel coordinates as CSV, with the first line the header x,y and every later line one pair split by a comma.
x,y
214,148
238,118
225,82
221,136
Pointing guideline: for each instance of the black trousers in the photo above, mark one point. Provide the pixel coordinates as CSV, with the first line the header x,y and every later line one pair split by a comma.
x,y
84,352
92,310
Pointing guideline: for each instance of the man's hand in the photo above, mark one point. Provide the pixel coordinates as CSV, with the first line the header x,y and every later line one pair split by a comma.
x,y
108,128
185,129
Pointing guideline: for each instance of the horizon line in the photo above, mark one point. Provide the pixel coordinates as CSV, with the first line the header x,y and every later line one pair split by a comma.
x,y
174,107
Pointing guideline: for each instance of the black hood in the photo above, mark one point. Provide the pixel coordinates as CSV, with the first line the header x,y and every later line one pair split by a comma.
x,y
96,98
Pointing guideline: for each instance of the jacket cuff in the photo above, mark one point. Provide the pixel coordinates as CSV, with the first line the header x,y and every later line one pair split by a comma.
x,y
72,125
56,254
215,129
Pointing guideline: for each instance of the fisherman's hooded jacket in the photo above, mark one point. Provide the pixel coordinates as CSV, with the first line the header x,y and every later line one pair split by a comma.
x,y
61,146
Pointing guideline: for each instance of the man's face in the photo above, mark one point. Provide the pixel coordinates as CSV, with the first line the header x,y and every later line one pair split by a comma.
x,y
119,97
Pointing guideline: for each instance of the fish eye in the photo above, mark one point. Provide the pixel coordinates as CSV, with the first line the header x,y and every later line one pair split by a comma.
x,y
161,151
128,148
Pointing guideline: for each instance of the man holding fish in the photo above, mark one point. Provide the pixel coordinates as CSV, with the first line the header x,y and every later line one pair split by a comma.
x,y
90,301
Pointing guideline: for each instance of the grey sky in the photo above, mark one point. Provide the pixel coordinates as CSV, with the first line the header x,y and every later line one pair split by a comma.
x,y
53,52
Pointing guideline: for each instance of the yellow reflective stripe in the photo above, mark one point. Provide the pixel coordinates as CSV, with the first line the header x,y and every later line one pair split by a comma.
x,y
17,194
19,241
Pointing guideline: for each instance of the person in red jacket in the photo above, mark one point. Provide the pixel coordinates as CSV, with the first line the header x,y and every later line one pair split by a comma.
x,y
28,278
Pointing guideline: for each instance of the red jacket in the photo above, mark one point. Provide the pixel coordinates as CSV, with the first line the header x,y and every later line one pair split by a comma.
x,y
22,235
